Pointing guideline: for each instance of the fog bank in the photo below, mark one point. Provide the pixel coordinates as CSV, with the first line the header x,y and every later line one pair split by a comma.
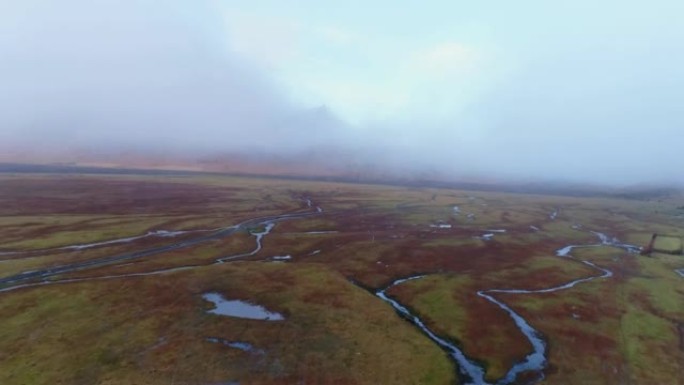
x,y
579,92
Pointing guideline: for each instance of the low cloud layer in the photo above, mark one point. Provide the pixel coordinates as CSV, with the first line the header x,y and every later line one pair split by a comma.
x,y
531,90
82,73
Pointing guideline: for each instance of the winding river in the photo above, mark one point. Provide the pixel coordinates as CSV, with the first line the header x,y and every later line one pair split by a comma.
x,y
470,370
473,373
84,246
16,281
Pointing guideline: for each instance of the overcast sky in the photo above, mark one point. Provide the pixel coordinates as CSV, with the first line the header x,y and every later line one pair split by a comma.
x,y
564,90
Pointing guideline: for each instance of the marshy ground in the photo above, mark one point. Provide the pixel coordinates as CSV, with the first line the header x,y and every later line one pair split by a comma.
x,y
316,253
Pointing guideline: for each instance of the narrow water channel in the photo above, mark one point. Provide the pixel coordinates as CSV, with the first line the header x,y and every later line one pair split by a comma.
x,y
473,373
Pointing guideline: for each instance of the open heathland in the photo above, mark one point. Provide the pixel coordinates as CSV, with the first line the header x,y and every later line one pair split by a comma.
x,y
104,280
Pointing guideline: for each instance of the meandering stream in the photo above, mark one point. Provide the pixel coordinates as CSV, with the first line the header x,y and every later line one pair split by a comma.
x,y
268,222
84,246
473,373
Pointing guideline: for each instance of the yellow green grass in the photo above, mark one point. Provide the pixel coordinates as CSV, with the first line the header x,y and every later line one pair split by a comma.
x,y
154,331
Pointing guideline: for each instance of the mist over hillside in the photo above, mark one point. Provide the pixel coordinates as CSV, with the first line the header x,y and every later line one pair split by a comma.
x,y
443,91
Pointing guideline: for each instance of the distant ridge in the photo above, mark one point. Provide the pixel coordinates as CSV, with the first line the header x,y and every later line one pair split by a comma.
x,y
560,189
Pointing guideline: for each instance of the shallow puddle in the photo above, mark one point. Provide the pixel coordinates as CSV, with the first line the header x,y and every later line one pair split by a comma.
x,y
244,346
281,257
240,309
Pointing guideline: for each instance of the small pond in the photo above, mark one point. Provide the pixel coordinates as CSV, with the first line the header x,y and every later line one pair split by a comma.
x,y
240,309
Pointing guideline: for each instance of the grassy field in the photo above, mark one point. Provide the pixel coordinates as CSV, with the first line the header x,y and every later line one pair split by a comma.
x,y
132,322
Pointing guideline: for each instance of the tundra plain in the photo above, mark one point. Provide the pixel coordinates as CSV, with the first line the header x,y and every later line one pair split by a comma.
x,y
102,279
